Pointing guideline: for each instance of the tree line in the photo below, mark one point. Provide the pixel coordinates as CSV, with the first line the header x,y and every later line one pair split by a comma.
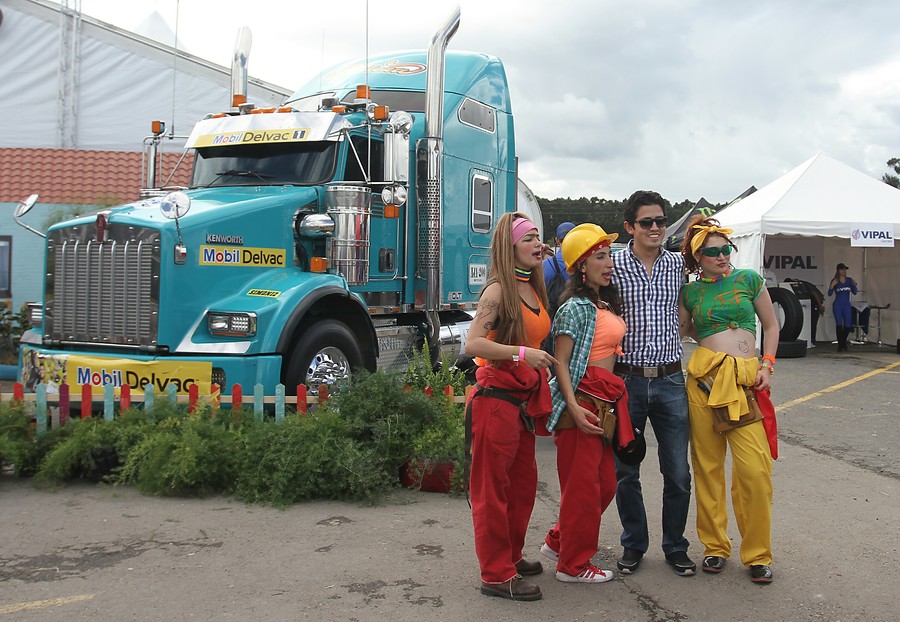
x,y
608,213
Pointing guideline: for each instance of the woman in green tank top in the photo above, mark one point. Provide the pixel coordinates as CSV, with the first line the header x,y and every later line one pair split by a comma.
x,y
725,377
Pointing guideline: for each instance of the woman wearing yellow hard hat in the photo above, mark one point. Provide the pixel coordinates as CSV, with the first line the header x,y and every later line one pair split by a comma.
x,y
587,399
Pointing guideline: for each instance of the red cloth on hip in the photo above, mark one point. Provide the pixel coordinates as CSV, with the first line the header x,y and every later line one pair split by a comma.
x,y
605,385
770,423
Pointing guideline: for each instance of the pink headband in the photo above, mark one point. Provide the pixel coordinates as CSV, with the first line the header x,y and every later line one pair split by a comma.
x,y
520,227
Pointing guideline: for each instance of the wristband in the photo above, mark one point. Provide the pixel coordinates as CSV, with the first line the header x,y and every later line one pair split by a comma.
x,y
522,353
770,358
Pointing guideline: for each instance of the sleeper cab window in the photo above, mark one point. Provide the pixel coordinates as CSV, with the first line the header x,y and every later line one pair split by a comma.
x,y
482,204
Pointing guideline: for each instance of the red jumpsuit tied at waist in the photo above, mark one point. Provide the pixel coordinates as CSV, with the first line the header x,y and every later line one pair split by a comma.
x,y
503,478
605,385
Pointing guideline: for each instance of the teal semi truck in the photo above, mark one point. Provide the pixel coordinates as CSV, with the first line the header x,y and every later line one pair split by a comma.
x,y
344,229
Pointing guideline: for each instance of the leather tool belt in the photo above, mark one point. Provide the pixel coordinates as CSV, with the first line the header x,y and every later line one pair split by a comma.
x,y
605,411
722,423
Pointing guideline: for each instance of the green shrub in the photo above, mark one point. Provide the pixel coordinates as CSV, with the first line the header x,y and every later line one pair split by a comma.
x,y
20,446
308,457
183,454
92,448
420,373
443,440
382,416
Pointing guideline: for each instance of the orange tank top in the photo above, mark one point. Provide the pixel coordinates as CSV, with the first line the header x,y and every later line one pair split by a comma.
x,y
537,327
608,333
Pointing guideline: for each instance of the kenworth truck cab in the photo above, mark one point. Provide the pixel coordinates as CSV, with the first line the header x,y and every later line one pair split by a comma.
x,y
341,230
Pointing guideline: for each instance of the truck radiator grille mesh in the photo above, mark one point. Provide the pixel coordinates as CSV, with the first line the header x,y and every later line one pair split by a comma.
x,y
103,293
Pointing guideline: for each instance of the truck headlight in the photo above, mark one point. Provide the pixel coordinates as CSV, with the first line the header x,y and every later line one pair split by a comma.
x,y
394,195
232,324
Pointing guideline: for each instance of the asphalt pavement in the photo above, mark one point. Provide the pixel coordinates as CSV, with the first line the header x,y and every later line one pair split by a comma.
x,y
109,554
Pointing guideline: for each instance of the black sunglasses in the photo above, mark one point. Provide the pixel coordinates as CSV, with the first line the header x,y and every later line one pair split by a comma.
x,y
714,251
646,223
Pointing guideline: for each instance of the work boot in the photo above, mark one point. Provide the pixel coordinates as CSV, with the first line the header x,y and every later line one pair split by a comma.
x,y
514,589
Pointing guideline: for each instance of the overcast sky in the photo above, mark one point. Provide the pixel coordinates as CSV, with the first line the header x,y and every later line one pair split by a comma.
x,y
690,98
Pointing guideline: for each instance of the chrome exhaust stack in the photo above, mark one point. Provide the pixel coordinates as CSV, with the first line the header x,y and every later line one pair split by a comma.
x,y
429,158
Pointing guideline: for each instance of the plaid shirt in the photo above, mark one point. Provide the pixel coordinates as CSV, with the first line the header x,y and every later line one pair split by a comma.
x,y
650,307
577,318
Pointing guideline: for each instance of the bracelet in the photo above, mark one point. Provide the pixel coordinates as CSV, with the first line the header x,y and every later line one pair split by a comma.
x,y
770,358
522,353
768,365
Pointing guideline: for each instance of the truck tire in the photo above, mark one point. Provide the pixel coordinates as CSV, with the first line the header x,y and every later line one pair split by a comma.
x,y
791,349
788,311
325,353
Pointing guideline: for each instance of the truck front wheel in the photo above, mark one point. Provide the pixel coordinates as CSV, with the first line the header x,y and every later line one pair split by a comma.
x,y
326,353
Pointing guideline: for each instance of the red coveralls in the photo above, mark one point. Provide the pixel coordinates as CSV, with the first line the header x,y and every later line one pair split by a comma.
x,y
587,475
503,478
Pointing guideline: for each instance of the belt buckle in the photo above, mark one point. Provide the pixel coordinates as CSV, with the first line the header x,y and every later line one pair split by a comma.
x,y
651,372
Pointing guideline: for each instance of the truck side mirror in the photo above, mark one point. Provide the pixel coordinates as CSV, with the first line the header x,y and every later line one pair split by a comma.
x,y
396,147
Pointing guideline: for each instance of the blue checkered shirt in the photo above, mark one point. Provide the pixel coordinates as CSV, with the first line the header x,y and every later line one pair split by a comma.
x,y
650,305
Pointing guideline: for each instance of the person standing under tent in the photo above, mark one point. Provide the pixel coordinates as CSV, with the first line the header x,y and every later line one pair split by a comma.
x,y
841,286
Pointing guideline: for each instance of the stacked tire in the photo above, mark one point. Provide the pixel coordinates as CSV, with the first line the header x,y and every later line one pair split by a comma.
x,y
790,316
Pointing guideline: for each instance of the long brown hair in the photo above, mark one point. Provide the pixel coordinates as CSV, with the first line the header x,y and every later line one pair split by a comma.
x,y
509,328
690,262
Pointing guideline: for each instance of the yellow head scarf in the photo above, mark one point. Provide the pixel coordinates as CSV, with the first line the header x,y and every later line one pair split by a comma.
x,y
704,231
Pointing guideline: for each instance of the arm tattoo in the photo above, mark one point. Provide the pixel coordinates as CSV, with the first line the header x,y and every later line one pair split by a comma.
x,y
743,346
488,308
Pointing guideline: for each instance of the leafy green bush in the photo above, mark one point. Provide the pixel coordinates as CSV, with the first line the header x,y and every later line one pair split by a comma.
x,y
92,448
183,454
442,441
308,457
420,373
20,447
382,416
351,447
12,325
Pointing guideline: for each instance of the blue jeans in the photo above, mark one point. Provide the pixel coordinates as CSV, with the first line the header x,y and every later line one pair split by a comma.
x,y
664,401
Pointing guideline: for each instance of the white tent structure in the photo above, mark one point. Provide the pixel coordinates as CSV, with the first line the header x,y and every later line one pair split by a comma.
x,y
801,225
73,82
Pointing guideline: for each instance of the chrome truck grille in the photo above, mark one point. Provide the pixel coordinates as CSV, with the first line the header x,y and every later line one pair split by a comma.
x,y
102,286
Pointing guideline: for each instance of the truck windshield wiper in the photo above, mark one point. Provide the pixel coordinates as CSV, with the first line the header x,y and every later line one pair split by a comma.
x,y
236,173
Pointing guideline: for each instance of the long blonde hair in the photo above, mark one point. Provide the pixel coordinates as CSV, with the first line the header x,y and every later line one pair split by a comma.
x,y
510,329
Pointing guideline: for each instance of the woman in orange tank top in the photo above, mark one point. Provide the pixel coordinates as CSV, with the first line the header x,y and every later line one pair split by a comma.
x,y
505,336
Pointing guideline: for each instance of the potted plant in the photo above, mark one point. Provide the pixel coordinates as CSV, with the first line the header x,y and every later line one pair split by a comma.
x,y
438,452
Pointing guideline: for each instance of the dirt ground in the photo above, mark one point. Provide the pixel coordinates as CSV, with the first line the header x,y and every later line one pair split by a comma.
x,y
109,554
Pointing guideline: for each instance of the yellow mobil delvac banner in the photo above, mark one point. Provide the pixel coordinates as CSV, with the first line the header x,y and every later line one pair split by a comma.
x,y
75,370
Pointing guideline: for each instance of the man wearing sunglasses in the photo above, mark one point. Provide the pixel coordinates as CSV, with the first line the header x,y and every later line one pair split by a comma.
x,y
649,279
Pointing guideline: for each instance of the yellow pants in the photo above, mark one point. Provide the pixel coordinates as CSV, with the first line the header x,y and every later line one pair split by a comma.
x,y
751,473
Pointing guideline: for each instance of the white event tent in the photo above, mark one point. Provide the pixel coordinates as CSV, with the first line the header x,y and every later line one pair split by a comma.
x,y
801,225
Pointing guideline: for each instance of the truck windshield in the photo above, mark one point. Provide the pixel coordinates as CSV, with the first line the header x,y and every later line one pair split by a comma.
x,y
271,164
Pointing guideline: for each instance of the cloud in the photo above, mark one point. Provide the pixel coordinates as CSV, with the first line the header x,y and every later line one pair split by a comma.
x,y
695,98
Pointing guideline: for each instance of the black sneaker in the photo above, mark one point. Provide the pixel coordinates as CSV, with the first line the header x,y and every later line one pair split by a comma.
x,y
631,559
713,563
681,563
760,574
